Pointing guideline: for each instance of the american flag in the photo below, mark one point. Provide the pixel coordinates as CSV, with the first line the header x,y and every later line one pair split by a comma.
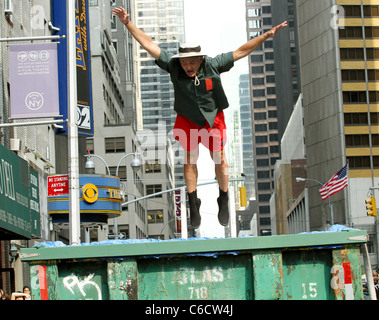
x,y
335,184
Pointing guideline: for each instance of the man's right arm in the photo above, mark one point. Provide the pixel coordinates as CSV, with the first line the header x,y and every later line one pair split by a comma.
x,y
142,38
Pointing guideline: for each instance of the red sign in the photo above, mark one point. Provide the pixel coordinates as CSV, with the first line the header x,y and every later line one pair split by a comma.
x,y
58,185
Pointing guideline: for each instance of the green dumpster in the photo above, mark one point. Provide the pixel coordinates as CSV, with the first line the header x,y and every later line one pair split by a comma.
x,y
313,266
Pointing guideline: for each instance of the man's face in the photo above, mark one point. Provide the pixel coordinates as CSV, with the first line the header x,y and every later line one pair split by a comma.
x,y
191,65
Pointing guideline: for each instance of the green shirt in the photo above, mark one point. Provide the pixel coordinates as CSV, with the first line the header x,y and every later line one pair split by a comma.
x,y
203,102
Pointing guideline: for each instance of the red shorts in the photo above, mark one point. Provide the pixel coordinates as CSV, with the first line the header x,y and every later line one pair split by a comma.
x,y
190,135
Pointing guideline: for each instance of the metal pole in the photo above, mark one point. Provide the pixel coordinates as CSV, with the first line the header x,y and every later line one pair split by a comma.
x,y
232,213
368,270
32,38
98,157
115,220
32,123
73,139
183,213
174,189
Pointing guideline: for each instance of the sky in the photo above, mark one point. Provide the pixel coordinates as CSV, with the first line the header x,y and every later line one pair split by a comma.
x,y
219,26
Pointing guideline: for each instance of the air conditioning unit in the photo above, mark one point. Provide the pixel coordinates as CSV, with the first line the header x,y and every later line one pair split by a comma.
x,y
15,144
8,9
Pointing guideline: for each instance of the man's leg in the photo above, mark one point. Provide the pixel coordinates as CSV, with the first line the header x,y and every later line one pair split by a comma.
x,y
190,176
222,175
221,169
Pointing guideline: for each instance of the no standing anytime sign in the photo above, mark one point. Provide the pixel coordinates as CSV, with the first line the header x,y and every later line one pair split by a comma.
x,y
58,185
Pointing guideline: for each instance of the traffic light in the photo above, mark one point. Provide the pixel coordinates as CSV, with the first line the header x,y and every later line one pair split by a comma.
x,y
243,198
371,207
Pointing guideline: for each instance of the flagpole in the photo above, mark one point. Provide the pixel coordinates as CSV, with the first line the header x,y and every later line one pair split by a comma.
x,y
331,211
349,195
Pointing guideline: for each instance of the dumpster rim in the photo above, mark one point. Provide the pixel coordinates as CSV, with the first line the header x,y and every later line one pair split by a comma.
x,y
193,246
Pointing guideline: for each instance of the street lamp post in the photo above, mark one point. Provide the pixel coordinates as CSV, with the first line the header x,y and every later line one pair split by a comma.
x,y
136,165
322,185
90,168
90,165
73,138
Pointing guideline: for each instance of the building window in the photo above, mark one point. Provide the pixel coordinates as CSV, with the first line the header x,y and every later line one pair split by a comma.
x,y
361,162
153,167
121,172
154,188
261,151
263,163
265,221
360,118
155,216
90,146
354,97
351,53
115,145
261,139
260,127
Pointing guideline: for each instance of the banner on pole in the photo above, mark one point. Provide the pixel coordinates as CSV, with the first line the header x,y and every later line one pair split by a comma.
x,y
83,64
34,91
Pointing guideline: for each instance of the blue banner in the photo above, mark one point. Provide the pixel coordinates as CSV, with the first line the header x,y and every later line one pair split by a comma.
x,y
83,66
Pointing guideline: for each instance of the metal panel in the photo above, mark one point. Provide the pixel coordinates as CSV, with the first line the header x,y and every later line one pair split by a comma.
x,y
306,274
268,275
200,278
123,280
83,281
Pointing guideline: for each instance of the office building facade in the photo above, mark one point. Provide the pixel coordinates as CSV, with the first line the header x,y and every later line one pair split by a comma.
x,y
275,86
116,124
264,109
163,21
339,50
247,135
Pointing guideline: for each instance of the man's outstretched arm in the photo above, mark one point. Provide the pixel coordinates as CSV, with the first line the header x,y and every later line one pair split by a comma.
x,y
144,40
255,43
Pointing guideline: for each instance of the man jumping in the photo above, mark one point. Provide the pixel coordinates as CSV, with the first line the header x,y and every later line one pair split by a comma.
x,y
199,103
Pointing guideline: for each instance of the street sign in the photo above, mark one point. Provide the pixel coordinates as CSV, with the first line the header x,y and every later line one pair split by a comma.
x,y
58,185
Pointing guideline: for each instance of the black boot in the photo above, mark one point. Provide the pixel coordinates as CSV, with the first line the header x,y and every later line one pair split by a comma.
x,y
194,203
223,208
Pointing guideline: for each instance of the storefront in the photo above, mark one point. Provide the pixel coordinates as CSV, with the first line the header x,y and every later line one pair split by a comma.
x,y
19,213
19,198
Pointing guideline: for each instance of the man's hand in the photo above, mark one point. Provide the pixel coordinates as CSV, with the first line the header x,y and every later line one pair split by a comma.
x,y
275,30
142,38
122,15
253,44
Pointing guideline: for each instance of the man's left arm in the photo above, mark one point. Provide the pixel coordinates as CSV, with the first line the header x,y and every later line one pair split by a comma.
x,y
255,43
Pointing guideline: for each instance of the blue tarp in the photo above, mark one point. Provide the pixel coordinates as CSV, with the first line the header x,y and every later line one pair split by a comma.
x,y
335,228
57,244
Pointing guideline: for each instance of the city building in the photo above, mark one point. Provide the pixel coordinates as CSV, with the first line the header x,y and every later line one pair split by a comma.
x,y
264,111
163,21
118,131
338,48
247,136
289,214
27,153
274,91
127,53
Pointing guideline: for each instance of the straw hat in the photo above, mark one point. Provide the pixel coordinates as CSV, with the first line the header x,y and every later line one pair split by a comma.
x,y
188,50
